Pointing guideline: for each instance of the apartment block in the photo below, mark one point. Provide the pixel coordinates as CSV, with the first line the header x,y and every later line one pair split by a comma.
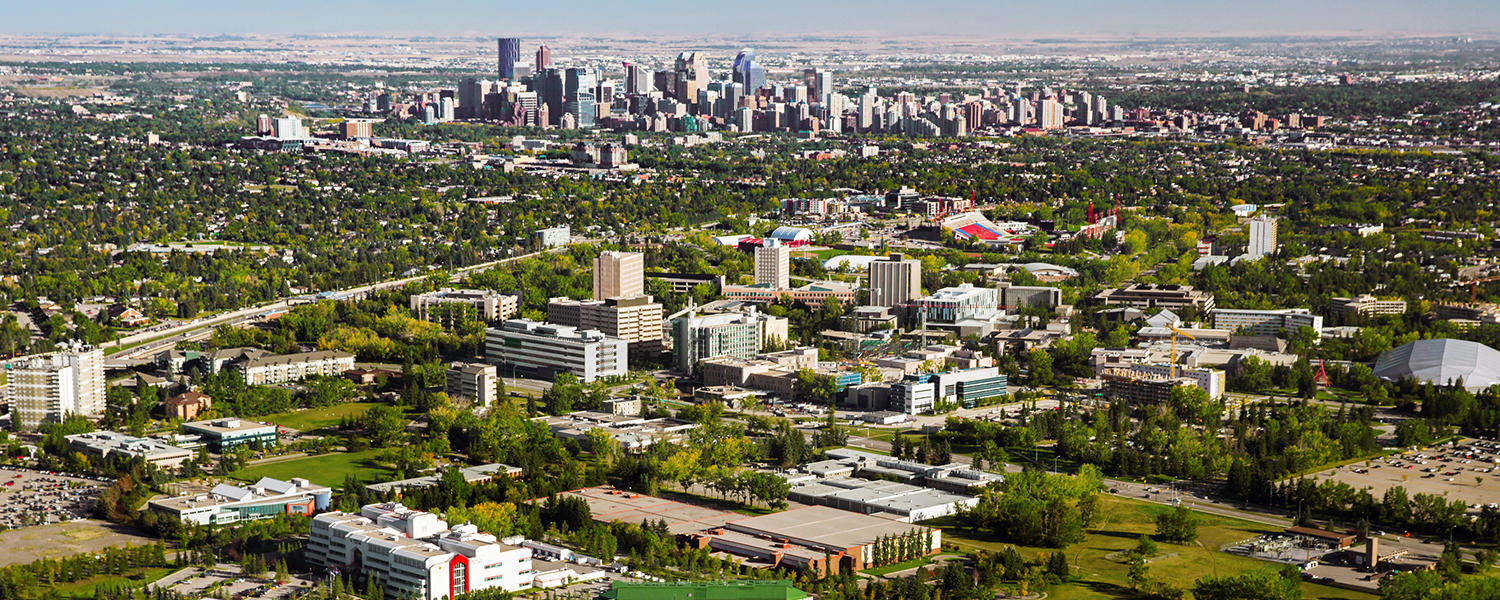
x,y
46,388
488,305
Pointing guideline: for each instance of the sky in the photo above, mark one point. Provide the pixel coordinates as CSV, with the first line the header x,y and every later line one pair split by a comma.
x,y
1000,18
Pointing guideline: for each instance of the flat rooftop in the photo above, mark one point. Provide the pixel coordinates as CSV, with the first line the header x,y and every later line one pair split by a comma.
x,y
609,505
825,526
227,425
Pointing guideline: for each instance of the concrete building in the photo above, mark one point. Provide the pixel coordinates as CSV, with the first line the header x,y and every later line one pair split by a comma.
x,y
475,382
821,538
545,350
1140,388
474,474
698,338
920,393
637,319
900,501
1262,237
813,294
619,275
773,265
1020,296
1266,322
953,477
105,446
1145,295
414,554
46,388
488,305
895,280
1365,305
264,368
233,503
551,237
221,435
632,433
187,405
1208,380
964,309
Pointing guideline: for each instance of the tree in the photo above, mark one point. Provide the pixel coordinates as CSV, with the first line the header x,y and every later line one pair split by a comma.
x,y
1041,367
1177,525
1260,584
1139,573
1413,585
1057,565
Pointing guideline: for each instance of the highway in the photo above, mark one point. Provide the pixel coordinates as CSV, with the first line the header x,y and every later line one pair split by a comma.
x,y
201,328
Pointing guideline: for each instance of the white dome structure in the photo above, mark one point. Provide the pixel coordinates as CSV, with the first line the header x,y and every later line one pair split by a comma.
x,y
1442,362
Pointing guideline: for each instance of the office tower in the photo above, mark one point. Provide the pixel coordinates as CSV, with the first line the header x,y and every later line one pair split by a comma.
x,y
773,265
447,109
744,116
578,97
429,115
747,72
895,280
46,388
637,80
810,80
550,92
868,108
288,127
543,58
471,93
1262,237
823,88
619,274
690,75
264,125
509,55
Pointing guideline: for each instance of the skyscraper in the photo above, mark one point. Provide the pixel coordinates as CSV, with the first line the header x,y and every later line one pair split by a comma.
x,y
773,265
548,84
895,280
747,72
637,79
509,55
1049,114
691,76
471,93
619,275
578,96
543,58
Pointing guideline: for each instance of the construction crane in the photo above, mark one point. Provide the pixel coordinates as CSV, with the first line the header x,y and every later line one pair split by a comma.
x,y
1176,332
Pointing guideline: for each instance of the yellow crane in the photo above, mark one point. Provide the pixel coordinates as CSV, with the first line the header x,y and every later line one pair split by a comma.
x,y
1176,332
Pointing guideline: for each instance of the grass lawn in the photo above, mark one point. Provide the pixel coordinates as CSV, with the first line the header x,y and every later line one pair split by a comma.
x,y
1123,520
319,418
323,469
135,579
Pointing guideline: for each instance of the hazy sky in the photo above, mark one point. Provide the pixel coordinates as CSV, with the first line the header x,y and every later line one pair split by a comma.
x,y
1001,17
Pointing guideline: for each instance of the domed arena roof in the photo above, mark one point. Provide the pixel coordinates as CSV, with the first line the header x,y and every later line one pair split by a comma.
x,y
1442,362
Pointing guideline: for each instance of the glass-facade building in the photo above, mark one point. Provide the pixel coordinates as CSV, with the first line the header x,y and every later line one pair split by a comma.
x,y
509,55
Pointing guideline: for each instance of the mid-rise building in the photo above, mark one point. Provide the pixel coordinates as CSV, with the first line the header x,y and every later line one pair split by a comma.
x,y
1366,305
414,554
1146,295
1262,237
1266,322
552,237
488,305
637,320
619,275
271,369
108,446
1140,388
46,388
895,280
1208,380
773,265
227,503
222,435
697,338
963,307
546,350
476,382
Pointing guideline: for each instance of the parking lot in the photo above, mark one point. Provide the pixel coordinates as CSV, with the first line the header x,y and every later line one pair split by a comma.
x,y
64,539
1468,471
30,497
226,581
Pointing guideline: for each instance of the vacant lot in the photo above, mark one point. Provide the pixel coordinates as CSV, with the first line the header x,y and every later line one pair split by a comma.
x,y
1439,471
64,539
313,419
323,469
1124,520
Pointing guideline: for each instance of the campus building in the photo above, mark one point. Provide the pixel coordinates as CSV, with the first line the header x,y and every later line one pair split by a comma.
x,y
109,445
487,305
552,237
920,393
476,382
414,554
222,435
1366,305
698,338
1145,295
637,319
233,503
1266,322
546,350
619,275
895,280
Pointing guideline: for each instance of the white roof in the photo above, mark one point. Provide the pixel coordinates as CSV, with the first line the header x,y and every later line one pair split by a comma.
x,y
1442,362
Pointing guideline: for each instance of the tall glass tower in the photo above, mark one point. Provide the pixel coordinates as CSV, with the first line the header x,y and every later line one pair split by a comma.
x,y
509,54
747,72
578,96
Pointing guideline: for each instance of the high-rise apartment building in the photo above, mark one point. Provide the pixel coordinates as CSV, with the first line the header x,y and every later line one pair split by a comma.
x,y
1262,237
1049,114
619,275
773,265
509,55
46,388
895,280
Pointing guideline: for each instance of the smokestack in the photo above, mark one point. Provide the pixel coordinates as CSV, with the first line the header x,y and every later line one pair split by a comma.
x,y
1372,552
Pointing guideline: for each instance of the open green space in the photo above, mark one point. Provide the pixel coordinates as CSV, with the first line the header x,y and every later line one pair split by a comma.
x,y
319,418
323,469
1121,523
136,578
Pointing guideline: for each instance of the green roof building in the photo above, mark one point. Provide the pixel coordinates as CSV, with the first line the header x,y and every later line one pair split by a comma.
x,y
704,590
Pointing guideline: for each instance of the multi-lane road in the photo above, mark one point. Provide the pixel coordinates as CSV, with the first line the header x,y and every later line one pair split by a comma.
x,y
148,343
